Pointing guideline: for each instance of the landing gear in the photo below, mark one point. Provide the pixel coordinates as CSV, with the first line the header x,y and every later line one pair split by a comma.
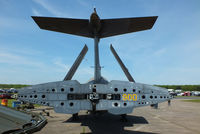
x,y
75,117
169,102
123,118
155,106
47,113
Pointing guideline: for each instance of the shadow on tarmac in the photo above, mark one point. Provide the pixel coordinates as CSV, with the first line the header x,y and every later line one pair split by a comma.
x,y
109,124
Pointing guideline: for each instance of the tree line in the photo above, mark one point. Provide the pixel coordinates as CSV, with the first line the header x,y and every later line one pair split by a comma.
x,y
182,87
7,86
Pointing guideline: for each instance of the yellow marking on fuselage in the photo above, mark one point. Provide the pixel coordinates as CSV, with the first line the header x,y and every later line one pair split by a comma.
x,y
129,97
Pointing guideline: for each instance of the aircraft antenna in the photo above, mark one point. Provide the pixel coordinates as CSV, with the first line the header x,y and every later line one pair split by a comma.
x,y
94,7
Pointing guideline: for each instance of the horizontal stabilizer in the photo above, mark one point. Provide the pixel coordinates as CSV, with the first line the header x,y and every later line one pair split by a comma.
x,y
65,25
112,27
108,27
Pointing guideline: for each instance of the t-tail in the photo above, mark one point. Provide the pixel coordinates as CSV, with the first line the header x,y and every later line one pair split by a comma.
x,y
95,28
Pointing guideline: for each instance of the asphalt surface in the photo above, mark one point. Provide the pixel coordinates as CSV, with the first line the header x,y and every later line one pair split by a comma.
x,y
179,118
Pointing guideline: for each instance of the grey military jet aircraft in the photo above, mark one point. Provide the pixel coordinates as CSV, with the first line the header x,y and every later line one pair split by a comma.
x,y
116,97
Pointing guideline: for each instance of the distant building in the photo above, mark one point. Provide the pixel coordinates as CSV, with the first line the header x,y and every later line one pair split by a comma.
x,y
178,91
170,90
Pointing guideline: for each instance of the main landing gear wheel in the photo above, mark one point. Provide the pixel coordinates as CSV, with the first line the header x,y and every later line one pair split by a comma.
x,y
75,117
123,117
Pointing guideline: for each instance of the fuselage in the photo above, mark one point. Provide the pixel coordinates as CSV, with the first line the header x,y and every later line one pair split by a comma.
x,y
95,23
116,97
95,26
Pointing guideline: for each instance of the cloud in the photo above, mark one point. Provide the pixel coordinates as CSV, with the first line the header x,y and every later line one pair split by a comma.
x,y
9,23
53,10
83,74
59,63
63,66
160,52
86,70
4,22
83,3
22,51
20,56
179,75
36,12
10,58
13,25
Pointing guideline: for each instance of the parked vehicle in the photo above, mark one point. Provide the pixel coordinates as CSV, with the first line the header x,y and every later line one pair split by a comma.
x,y
13,90
173,94
2,91
196,93
5,96
180,94
187,94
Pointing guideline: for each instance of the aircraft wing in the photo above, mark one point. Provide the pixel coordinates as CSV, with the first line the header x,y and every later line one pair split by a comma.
x,y
65,25
111,27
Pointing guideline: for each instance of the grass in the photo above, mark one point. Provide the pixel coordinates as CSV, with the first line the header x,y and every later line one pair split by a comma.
x,y
196,100
37,105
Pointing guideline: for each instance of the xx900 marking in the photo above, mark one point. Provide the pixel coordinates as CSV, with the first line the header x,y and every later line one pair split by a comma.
x,y
129,97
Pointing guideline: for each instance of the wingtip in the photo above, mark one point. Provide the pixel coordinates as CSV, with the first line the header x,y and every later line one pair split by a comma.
x,y
86,46
111,46
154,21
34,17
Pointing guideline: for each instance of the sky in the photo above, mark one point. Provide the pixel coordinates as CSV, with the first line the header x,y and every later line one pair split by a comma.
x,y
169,53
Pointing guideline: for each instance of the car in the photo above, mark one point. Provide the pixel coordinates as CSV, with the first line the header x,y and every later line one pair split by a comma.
x,y
180,94
196,93
173,93
2,91
5,96
13,90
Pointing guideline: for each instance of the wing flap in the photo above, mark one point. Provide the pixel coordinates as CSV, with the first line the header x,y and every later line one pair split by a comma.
x,y
111,27
65,25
